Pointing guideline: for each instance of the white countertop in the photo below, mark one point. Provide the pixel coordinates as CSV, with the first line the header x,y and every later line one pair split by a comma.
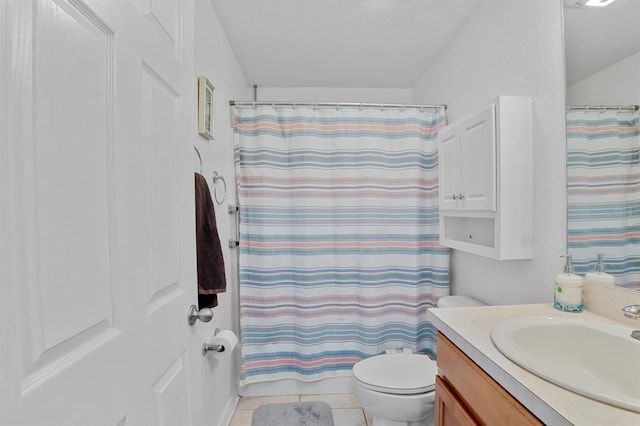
x,y
469,328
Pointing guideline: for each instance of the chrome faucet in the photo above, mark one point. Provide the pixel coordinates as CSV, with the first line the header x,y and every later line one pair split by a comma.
x,y
633,312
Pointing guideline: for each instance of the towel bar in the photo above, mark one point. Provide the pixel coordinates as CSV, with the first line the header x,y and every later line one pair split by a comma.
x,y
234,209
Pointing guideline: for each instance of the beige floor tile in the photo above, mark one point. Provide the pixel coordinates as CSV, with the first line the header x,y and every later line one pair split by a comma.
x,y
253,402
342,400
348,417
241,418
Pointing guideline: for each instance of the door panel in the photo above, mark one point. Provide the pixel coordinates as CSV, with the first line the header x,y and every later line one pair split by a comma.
x,y
449,157
161,121
71,176
97,244
164,17
478,161
170,396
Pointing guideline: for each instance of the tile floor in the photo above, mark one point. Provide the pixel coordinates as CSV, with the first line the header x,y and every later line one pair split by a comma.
x,y
345,408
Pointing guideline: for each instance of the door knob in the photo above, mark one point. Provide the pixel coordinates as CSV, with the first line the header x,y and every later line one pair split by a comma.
x,y
461,196
455,196
204,314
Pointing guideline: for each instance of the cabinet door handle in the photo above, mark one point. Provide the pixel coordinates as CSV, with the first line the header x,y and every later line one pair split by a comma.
x,y
455,196
460,196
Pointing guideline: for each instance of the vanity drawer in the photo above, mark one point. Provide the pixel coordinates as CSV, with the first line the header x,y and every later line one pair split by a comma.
x,y
482,396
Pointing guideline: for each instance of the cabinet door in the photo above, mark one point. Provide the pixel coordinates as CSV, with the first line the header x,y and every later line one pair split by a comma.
x,y
478,161
450,411
469,392
448,162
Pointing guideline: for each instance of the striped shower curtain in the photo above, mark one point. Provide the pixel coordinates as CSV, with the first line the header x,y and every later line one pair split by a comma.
x,y
339,256
603,178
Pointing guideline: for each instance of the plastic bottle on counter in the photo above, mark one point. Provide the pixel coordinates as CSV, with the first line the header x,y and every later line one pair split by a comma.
x,y
599,276
568,289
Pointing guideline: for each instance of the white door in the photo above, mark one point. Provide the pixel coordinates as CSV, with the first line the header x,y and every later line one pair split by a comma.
x,y
478,161
96,220
449,165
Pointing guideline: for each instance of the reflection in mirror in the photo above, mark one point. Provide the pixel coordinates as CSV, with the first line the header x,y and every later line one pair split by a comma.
x,y
602,47
603,193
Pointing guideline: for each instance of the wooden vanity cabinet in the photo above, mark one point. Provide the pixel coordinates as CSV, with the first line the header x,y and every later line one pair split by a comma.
x,y
466,395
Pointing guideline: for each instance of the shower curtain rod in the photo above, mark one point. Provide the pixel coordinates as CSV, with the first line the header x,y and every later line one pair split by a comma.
x,y
336,104
597,107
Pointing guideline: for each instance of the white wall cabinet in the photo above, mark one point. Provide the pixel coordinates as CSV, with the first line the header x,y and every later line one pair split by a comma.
x,y
467,149
486,180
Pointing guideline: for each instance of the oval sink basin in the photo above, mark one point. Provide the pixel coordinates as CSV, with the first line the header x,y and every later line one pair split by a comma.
x,y
597,360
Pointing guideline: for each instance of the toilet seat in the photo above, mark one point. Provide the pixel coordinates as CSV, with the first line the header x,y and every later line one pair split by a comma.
x,y
400,374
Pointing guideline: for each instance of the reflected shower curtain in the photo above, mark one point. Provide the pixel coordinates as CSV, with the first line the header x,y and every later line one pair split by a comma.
x,y
603,186
339,256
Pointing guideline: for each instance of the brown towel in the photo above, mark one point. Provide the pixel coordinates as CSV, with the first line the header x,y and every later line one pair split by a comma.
x,y
211,275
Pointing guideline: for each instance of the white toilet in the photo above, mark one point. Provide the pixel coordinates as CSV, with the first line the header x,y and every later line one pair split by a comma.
x,y
398,389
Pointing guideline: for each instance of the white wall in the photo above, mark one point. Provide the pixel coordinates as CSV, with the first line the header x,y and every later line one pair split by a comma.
x,y
618,84
511,47
215,60
333,94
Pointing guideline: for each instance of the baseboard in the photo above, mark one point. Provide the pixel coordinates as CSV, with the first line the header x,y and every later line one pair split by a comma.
x,y
229,409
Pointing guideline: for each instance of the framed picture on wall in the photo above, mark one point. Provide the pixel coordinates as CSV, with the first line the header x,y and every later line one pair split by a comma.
x,y
206,93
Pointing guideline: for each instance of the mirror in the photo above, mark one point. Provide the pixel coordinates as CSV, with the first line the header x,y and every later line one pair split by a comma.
x,y
602,56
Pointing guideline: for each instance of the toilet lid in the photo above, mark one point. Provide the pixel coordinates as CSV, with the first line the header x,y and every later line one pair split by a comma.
x,y
397,373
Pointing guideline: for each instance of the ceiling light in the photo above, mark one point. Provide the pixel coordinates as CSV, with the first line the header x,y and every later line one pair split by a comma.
x,y
598,3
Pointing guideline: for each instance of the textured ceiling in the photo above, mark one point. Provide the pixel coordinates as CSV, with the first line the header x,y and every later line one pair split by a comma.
x,y
339,43
391,43
598,37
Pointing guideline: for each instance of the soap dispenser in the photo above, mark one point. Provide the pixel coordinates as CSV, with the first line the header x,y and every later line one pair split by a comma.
x,y
599,276
568,294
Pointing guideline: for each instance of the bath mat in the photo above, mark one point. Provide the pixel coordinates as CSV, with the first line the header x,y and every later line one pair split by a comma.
x,y
312,413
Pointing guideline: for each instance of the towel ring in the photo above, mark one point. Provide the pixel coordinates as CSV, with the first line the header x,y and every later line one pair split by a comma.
x,y
216,178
